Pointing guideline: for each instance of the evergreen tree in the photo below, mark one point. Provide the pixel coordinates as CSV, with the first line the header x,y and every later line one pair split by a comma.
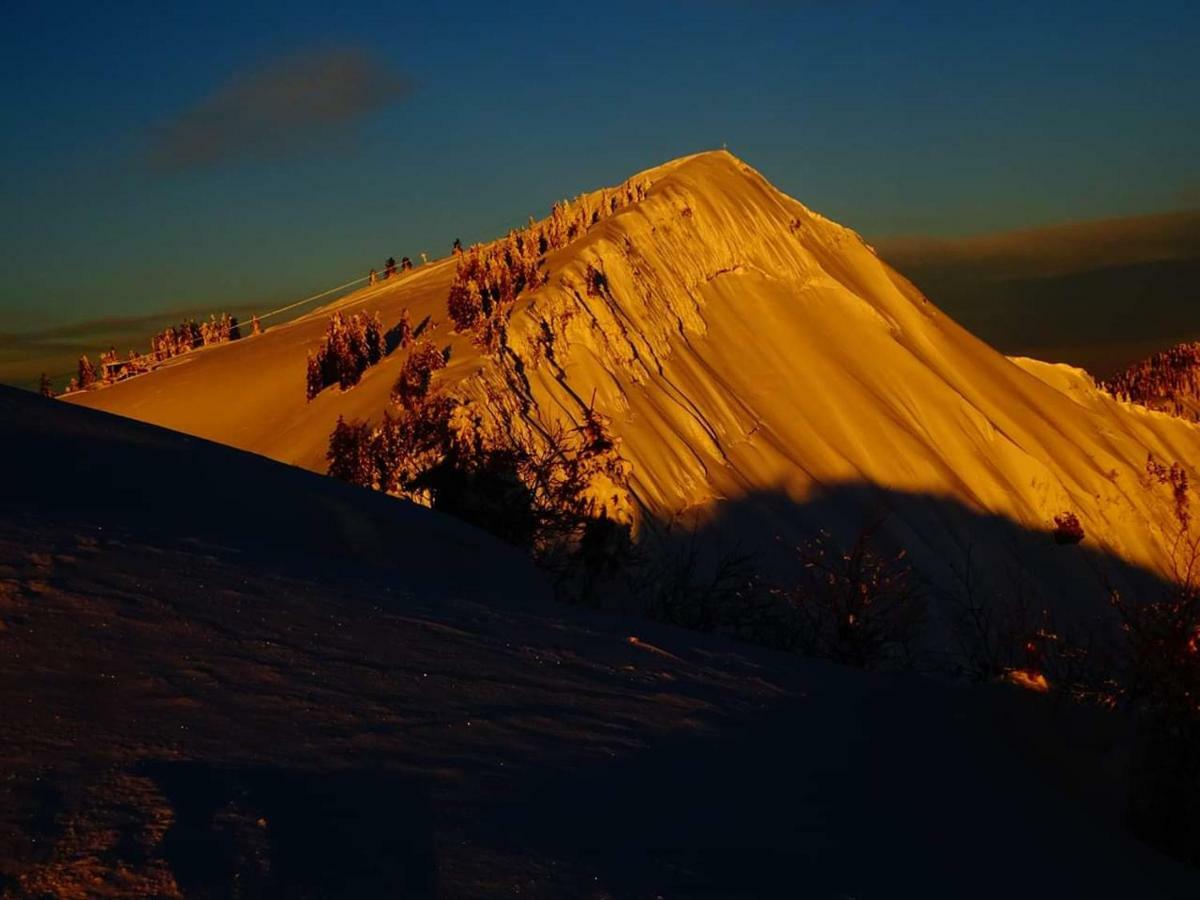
x,y
315,380
416,375
403,329
349,453
87,374
465,304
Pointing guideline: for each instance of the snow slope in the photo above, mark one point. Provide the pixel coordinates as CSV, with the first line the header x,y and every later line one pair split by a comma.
x,y
210,688
745,346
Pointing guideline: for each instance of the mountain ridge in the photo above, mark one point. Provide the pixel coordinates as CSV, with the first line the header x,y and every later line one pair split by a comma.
x,y
738,342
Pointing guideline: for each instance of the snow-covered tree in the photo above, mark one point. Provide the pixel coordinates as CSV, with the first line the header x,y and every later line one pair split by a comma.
x,y
87,374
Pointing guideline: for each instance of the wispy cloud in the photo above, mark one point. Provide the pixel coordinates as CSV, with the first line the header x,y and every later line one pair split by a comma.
x,y
1097,294
281,109
54,349
1052,250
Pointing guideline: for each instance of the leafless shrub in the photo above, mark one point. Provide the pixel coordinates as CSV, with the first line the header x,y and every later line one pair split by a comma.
x,y
1002,628
1161,688
689,583
859,606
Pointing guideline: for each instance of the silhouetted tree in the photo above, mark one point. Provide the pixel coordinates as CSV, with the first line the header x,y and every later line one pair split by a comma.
x,y
858,606
1161,687
1067,528
541,493
46,388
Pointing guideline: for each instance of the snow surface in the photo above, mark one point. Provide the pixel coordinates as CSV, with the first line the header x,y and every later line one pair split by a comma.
x,y
751,355
223,676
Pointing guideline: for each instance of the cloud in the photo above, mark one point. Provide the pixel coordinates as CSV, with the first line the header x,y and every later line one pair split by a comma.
x,y
1050,251
55,349
1096,294
282,109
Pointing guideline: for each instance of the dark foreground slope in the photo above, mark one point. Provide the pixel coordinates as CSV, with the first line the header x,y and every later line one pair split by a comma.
x,y
223,677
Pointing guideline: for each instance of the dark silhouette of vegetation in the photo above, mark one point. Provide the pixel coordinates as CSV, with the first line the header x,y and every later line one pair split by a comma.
x,y
557,492
705,588
1067,528
1160,686
1002,628
858,606
1175,477
352,345
45,388
1142,663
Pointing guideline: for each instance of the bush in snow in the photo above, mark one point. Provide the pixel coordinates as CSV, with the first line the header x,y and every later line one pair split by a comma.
x,y
1067,528
351,346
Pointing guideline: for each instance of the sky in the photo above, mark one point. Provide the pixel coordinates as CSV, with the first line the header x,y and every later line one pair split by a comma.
x,y
190,156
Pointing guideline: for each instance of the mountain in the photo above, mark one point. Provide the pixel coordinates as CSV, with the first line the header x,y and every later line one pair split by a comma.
x,y
760,364
222,676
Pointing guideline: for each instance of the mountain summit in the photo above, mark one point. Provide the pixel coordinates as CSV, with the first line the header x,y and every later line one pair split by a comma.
x,y
753,358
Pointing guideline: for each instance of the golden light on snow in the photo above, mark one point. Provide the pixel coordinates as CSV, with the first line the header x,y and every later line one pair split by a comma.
x,y
741,345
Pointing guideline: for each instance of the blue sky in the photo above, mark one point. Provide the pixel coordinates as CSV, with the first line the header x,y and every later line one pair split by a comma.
x,y
459,120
